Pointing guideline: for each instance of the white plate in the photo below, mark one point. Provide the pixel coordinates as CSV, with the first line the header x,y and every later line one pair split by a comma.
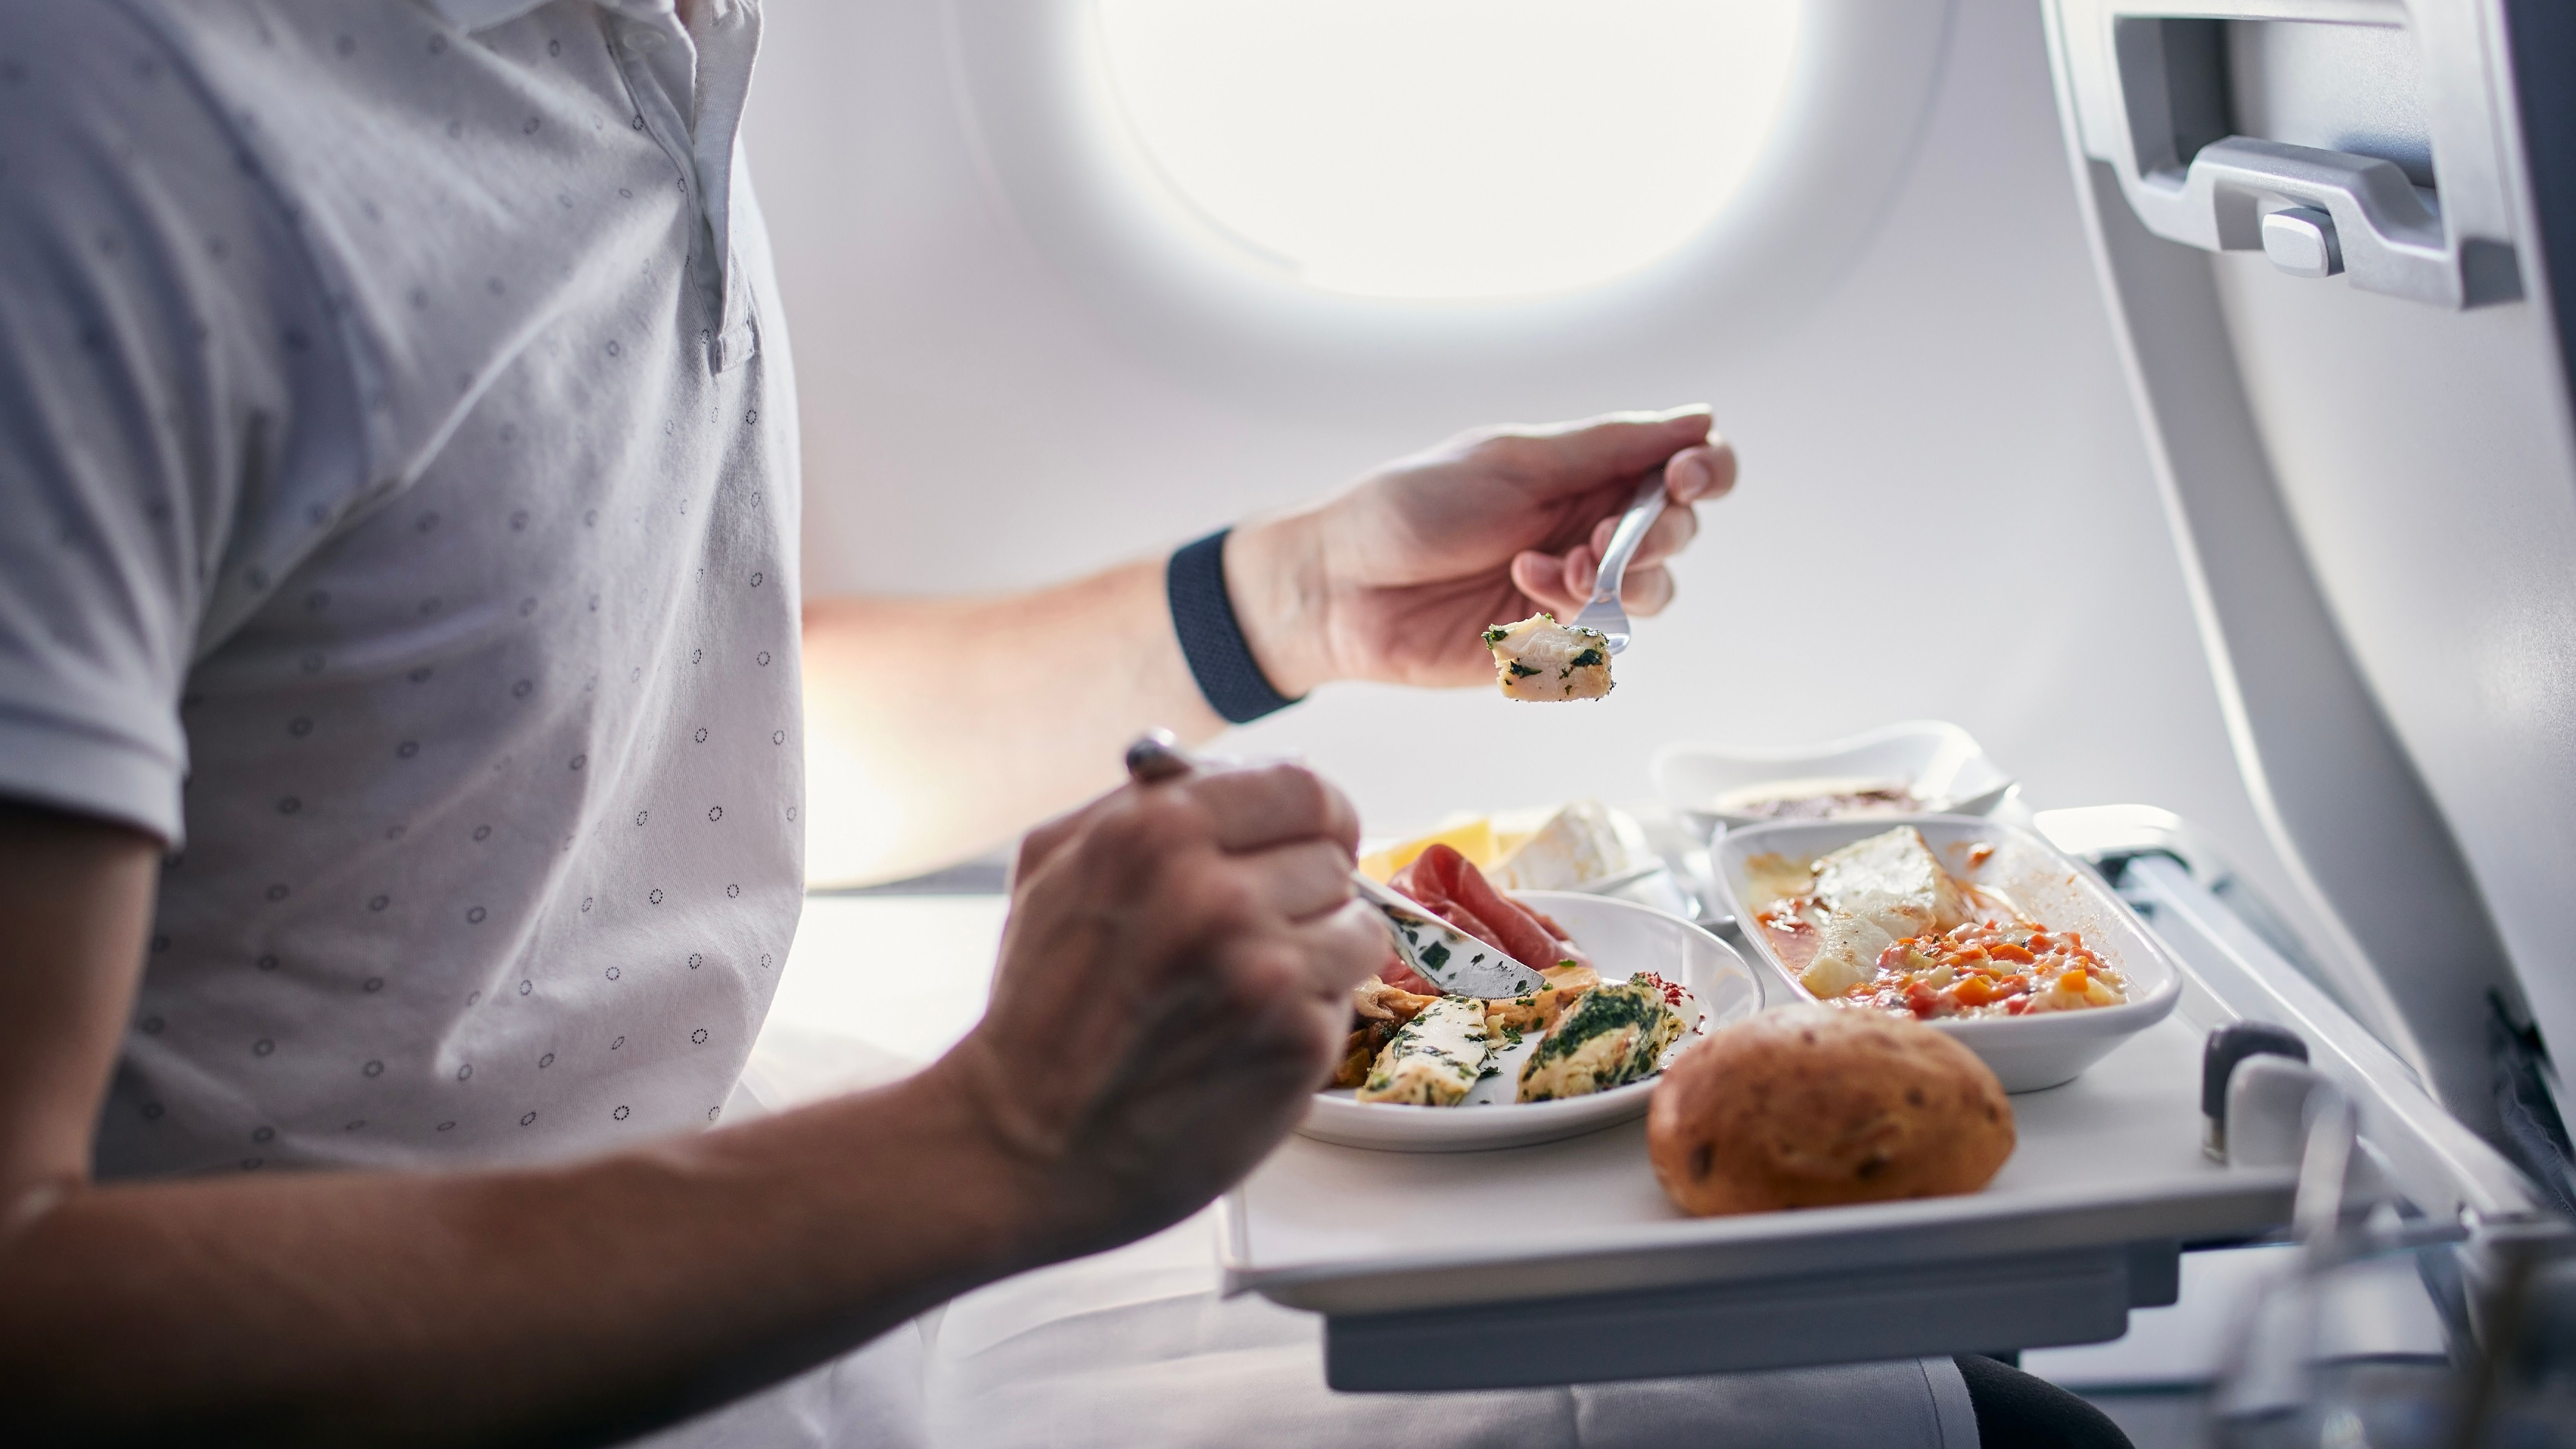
x,y
2027,1053
1936,759
1622,938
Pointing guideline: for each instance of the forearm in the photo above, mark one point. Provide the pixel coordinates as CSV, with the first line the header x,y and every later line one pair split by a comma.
x,y
561,1305
937,727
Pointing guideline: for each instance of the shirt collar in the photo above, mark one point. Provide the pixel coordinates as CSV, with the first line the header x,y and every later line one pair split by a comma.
x,y
472,15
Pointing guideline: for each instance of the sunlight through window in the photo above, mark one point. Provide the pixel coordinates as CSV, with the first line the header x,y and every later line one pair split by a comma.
x,y
1451,149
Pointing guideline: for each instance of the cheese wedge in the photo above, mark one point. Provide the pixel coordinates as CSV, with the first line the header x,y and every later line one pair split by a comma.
x,y
1868,896
1540,659
1577,843
1435,1060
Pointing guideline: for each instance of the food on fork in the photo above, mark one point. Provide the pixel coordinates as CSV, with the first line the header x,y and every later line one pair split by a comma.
x,y
1880,924
1811,1108
1541,659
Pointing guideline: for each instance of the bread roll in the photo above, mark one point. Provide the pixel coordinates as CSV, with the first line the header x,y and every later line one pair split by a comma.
x,y
1814,1106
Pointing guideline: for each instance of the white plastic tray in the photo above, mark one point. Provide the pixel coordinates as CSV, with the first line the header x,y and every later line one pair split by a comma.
x,y
1564,1263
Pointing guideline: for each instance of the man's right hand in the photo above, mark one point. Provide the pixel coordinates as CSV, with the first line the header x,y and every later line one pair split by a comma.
x,y
1172,985
1174,980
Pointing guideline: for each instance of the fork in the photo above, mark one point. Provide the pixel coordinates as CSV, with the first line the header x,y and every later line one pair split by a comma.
x,y
1604,612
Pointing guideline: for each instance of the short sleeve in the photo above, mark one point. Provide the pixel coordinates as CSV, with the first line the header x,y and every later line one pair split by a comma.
x,y
174,402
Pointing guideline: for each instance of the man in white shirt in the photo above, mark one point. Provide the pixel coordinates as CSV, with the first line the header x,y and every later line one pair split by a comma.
x,y
400,752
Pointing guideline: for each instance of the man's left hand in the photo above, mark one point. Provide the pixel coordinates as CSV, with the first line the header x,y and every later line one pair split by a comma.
x,y
1394,579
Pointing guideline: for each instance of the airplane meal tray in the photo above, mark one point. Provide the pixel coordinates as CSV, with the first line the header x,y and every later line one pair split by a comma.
x,y
1564,1263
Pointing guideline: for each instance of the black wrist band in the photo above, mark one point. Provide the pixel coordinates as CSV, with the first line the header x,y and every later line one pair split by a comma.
x,y
1212,638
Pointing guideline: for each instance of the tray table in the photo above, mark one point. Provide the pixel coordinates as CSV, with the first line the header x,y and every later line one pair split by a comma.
x,y
1564,1263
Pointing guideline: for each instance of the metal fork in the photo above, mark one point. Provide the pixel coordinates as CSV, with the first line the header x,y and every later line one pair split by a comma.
x,y
1604,612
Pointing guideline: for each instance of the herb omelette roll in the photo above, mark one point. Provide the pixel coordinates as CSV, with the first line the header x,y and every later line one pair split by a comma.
x,y
1435,1059
1612,1036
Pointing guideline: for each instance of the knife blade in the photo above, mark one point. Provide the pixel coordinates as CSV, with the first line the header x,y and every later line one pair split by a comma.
x,y
1442,954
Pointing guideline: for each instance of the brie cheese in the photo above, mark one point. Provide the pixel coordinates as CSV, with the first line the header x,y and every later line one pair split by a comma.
x,y
1578,843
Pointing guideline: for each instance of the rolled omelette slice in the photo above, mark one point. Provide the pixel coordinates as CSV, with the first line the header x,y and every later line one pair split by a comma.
x,y
1611,1037
1435,1060
1542,660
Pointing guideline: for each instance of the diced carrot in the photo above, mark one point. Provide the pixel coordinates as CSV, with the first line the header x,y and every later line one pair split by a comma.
x,y
2073,981
2002,952
1975,991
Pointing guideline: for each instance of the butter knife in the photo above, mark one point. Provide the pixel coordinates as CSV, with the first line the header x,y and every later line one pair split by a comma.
x,y
1442,954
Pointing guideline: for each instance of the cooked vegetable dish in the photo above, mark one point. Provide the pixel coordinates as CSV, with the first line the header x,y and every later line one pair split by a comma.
x,y
1880,924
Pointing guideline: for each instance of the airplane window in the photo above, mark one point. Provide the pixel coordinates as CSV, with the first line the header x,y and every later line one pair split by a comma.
x,y
1450,149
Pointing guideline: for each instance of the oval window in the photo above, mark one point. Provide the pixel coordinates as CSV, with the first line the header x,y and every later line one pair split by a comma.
x,y
1450,149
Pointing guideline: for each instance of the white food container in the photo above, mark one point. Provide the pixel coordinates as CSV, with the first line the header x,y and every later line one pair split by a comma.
x,y
1565,1263
1935,759
2029,1053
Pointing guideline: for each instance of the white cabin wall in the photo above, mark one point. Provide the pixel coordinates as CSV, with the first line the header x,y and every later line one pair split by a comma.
x,y
1946,508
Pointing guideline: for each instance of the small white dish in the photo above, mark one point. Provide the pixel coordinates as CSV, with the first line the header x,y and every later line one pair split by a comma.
x,y
1622,938
2027,1053
1618,881
1935,759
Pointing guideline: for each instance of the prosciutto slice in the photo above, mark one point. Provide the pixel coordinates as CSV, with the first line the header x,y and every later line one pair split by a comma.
x,y
1449,886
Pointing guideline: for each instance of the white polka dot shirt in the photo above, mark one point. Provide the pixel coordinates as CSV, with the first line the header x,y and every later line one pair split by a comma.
x,y
398,460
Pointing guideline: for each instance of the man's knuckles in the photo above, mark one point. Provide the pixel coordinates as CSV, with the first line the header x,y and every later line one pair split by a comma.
x,y
1253,807
1223,899
1349,945
1265,974
1516,455
1153,824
